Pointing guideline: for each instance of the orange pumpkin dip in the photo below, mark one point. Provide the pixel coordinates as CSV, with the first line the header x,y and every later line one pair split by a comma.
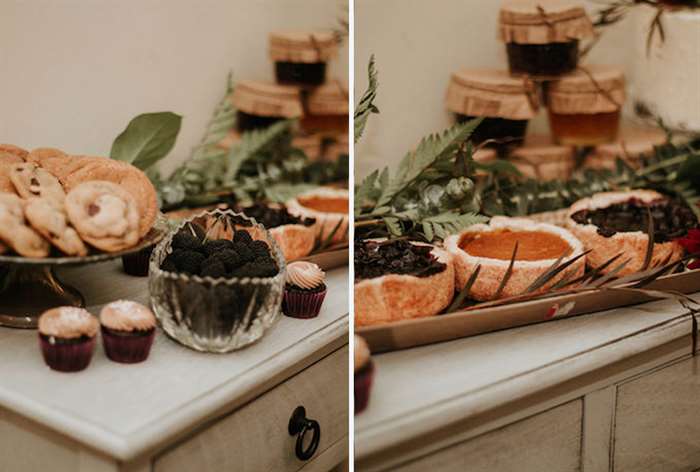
x,y
532,245
325,204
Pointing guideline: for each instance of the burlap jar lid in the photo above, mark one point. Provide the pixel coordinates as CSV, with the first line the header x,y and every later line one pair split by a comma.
x,y
540,158
589,89
632,144
307,47
266,99
543,21
329,99
491,93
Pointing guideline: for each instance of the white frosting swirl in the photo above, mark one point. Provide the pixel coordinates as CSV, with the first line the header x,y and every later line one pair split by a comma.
x,y
305,274
68,322
125,315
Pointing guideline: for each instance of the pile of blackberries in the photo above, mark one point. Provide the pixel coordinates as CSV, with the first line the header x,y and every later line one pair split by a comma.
x,y
271,217
672,219
374,259
242,257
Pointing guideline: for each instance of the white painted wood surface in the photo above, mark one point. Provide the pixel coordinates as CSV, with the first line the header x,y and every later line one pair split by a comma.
x,y
127,411
421,390
657,421
255,437
549,441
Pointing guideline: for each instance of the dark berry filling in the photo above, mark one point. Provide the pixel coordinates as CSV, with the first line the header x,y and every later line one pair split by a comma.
x,y
273,217
300,73
374,259
247,122
542,59
507,132
242,257
672,219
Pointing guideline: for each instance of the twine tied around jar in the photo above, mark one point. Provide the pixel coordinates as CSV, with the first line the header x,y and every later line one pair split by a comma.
x,y
603,92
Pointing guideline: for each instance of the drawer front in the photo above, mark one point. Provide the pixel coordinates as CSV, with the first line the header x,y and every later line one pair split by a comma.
x,y
255,438
549,441
657,421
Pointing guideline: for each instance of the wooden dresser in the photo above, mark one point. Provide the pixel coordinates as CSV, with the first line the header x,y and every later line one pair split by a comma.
x,y
613,391
180,410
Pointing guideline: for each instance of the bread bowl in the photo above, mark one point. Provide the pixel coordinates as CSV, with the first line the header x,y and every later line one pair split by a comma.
x,y
328,206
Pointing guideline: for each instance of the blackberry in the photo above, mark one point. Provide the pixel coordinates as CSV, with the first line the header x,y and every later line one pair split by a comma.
x,y
374,259
244,252
264,259
268,269
185,240
214,269
230,258
187,261
259,248
213,247
168,264
242,236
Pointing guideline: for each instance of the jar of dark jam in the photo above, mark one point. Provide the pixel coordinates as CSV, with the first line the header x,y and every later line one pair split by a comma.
x,y
327,109
505,103
260,104
634,144
542,36
540,158
584,106
300,57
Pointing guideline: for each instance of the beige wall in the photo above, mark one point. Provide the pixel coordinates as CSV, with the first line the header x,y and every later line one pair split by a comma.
x,y
418,44
74,72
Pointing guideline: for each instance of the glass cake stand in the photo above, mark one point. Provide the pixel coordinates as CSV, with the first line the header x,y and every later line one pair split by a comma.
x,y
29,286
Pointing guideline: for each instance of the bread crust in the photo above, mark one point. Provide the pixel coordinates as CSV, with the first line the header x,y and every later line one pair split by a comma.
x,y
632,244
11,149
524,272
395,297
325,222
295,241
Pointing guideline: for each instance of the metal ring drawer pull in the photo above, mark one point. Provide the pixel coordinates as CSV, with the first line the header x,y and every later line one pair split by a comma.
x,y
299,425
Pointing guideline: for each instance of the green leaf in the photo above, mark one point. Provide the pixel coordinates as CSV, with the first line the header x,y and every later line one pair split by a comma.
x,y
251,144
431,149
283,192
366,106
147,139
393,225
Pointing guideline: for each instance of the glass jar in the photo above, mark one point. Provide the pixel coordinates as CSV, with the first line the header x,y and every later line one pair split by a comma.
x,y
584,107
542,36
222,314
327,109
300,57
504,102
261,104
633,146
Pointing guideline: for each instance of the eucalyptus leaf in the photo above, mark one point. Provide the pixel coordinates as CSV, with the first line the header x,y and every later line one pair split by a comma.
x,y
147,139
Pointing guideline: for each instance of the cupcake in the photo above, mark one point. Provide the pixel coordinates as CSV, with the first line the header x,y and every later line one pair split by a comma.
x,y
128,330
364,373
67,338
304,290
137,264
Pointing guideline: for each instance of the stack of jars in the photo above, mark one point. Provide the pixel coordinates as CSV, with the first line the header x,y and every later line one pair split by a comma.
x,y
542,39
300,91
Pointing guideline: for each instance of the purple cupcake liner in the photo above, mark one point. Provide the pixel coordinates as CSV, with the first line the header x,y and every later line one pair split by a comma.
x,y
363,385
68,357
127,348
299,304
137,264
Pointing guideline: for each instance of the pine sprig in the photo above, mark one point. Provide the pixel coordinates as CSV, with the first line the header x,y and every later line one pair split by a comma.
x,y
223,120
366,106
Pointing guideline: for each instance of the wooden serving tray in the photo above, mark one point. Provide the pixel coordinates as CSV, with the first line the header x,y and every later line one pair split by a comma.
x,y
331,258
421,331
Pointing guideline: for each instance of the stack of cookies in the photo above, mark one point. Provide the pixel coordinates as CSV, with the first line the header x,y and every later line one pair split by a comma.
x,y
49,199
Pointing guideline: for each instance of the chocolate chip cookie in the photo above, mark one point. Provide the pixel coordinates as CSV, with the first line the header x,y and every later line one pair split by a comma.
x,y
15,233
104,214
52,223
31,181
